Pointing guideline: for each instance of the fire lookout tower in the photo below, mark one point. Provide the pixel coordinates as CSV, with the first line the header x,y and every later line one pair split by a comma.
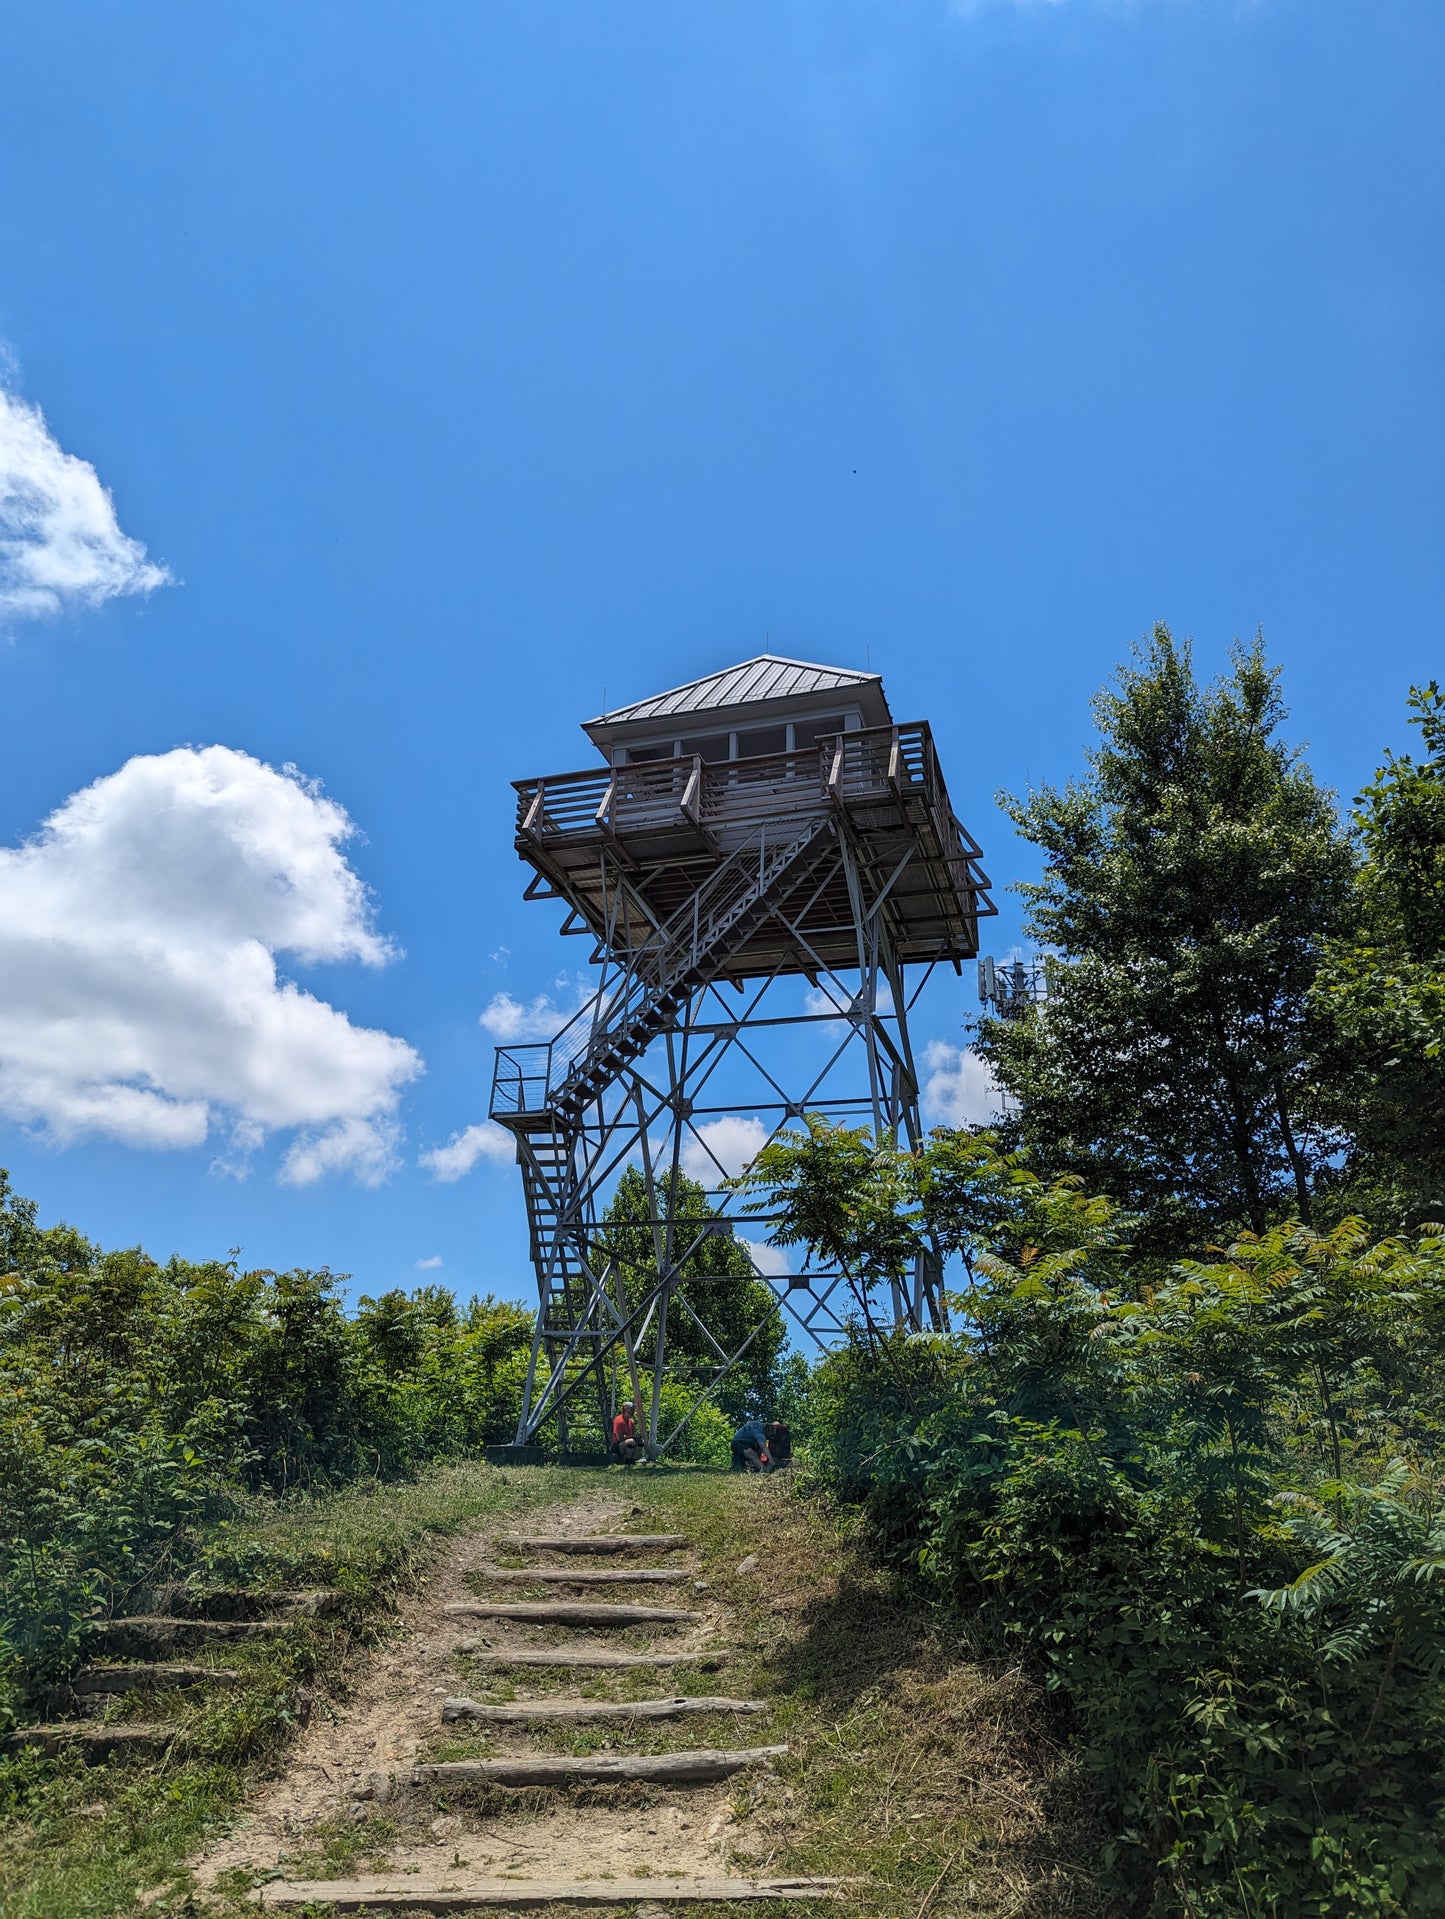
x,y
768,866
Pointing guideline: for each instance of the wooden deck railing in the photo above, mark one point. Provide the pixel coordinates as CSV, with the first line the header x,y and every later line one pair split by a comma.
x,y
844,767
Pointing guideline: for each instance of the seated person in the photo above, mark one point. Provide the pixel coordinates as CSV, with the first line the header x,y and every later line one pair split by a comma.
x,y
625,1443
780,1444
750,1446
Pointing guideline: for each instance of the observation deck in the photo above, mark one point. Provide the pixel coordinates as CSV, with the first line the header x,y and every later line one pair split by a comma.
x,y
664,827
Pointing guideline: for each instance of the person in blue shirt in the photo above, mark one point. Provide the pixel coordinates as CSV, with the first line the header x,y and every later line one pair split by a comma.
x,y
750,1446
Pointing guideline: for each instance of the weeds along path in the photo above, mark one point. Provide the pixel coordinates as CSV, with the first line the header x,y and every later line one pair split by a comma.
x,y
802,1720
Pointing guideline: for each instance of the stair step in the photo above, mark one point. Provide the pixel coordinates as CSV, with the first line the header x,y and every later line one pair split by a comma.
x,y
484,1654
442,1892
583,1712
560,1769
596,1543
142,1634
589,1576
94,1740
567,1614
180,1601
154,1677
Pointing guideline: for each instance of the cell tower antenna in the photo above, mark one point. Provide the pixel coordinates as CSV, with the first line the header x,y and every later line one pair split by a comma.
x,y
769,829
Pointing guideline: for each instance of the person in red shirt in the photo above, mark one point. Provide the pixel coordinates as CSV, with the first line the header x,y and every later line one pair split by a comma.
x,y
625,1443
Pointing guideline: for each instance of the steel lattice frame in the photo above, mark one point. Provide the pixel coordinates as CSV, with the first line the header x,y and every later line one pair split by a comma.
x,y
652,1115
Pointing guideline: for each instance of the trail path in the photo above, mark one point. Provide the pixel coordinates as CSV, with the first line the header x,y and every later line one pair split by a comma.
x,y
351,1776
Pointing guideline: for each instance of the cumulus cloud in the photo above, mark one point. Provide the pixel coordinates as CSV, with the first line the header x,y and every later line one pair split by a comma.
x,y
771,1261
463,1150
510,1020
960,1089
723,1147
61,546
139,993
429,1265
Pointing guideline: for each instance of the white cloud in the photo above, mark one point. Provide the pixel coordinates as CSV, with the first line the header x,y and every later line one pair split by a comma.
x,y
462,1151
960,1089
365,1148
139,997
429,1265
509,1020
834,999
723,1147
61,546
771,1261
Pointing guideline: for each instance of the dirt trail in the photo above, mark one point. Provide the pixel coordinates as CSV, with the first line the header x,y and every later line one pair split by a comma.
x,y
369,1745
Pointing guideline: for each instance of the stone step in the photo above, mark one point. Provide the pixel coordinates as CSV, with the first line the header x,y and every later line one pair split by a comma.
x,y
155,1677
444,1892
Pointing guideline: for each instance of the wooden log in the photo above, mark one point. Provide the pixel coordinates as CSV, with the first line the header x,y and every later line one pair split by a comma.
x,y
486,1655
94,1740
141,1635
438,1892
565,1576
557,1769
564,1613
151,1678
581,1712
605,1543
180,1601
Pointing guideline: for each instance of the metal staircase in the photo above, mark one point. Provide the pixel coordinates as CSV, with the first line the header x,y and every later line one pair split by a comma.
x,y
550,1083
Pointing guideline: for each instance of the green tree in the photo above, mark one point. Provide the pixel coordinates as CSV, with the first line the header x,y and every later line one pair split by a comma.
x,y
1383,984
717,1293
1191,881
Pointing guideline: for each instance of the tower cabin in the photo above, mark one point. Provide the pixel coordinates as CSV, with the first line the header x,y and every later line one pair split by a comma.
x,y
784,781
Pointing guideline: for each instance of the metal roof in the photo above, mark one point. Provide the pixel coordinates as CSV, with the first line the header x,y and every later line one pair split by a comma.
x,y
766,678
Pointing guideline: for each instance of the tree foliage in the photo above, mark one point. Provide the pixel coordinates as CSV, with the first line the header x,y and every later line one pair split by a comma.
x,y
716,1303
1201,1500
1191,882
137,1401
1383,985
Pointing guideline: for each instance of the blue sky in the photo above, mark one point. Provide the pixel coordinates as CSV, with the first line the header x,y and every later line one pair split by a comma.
x,y
466,365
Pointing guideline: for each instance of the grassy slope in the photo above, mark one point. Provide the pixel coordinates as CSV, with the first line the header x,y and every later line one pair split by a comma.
x,y
913,1767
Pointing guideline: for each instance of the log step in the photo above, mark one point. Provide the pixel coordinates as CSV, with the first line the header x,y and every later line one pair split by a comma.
x,y
550,1769
565,1576
564,1614
605,1543
486,1655
94,1740
176,1600
151,1678
581,1712
142,1634
436,1892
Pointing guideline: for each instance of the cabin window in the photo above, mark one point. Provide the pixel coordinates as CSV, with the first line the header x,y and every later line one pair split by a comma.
x,y
709,746
809,732
762,739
